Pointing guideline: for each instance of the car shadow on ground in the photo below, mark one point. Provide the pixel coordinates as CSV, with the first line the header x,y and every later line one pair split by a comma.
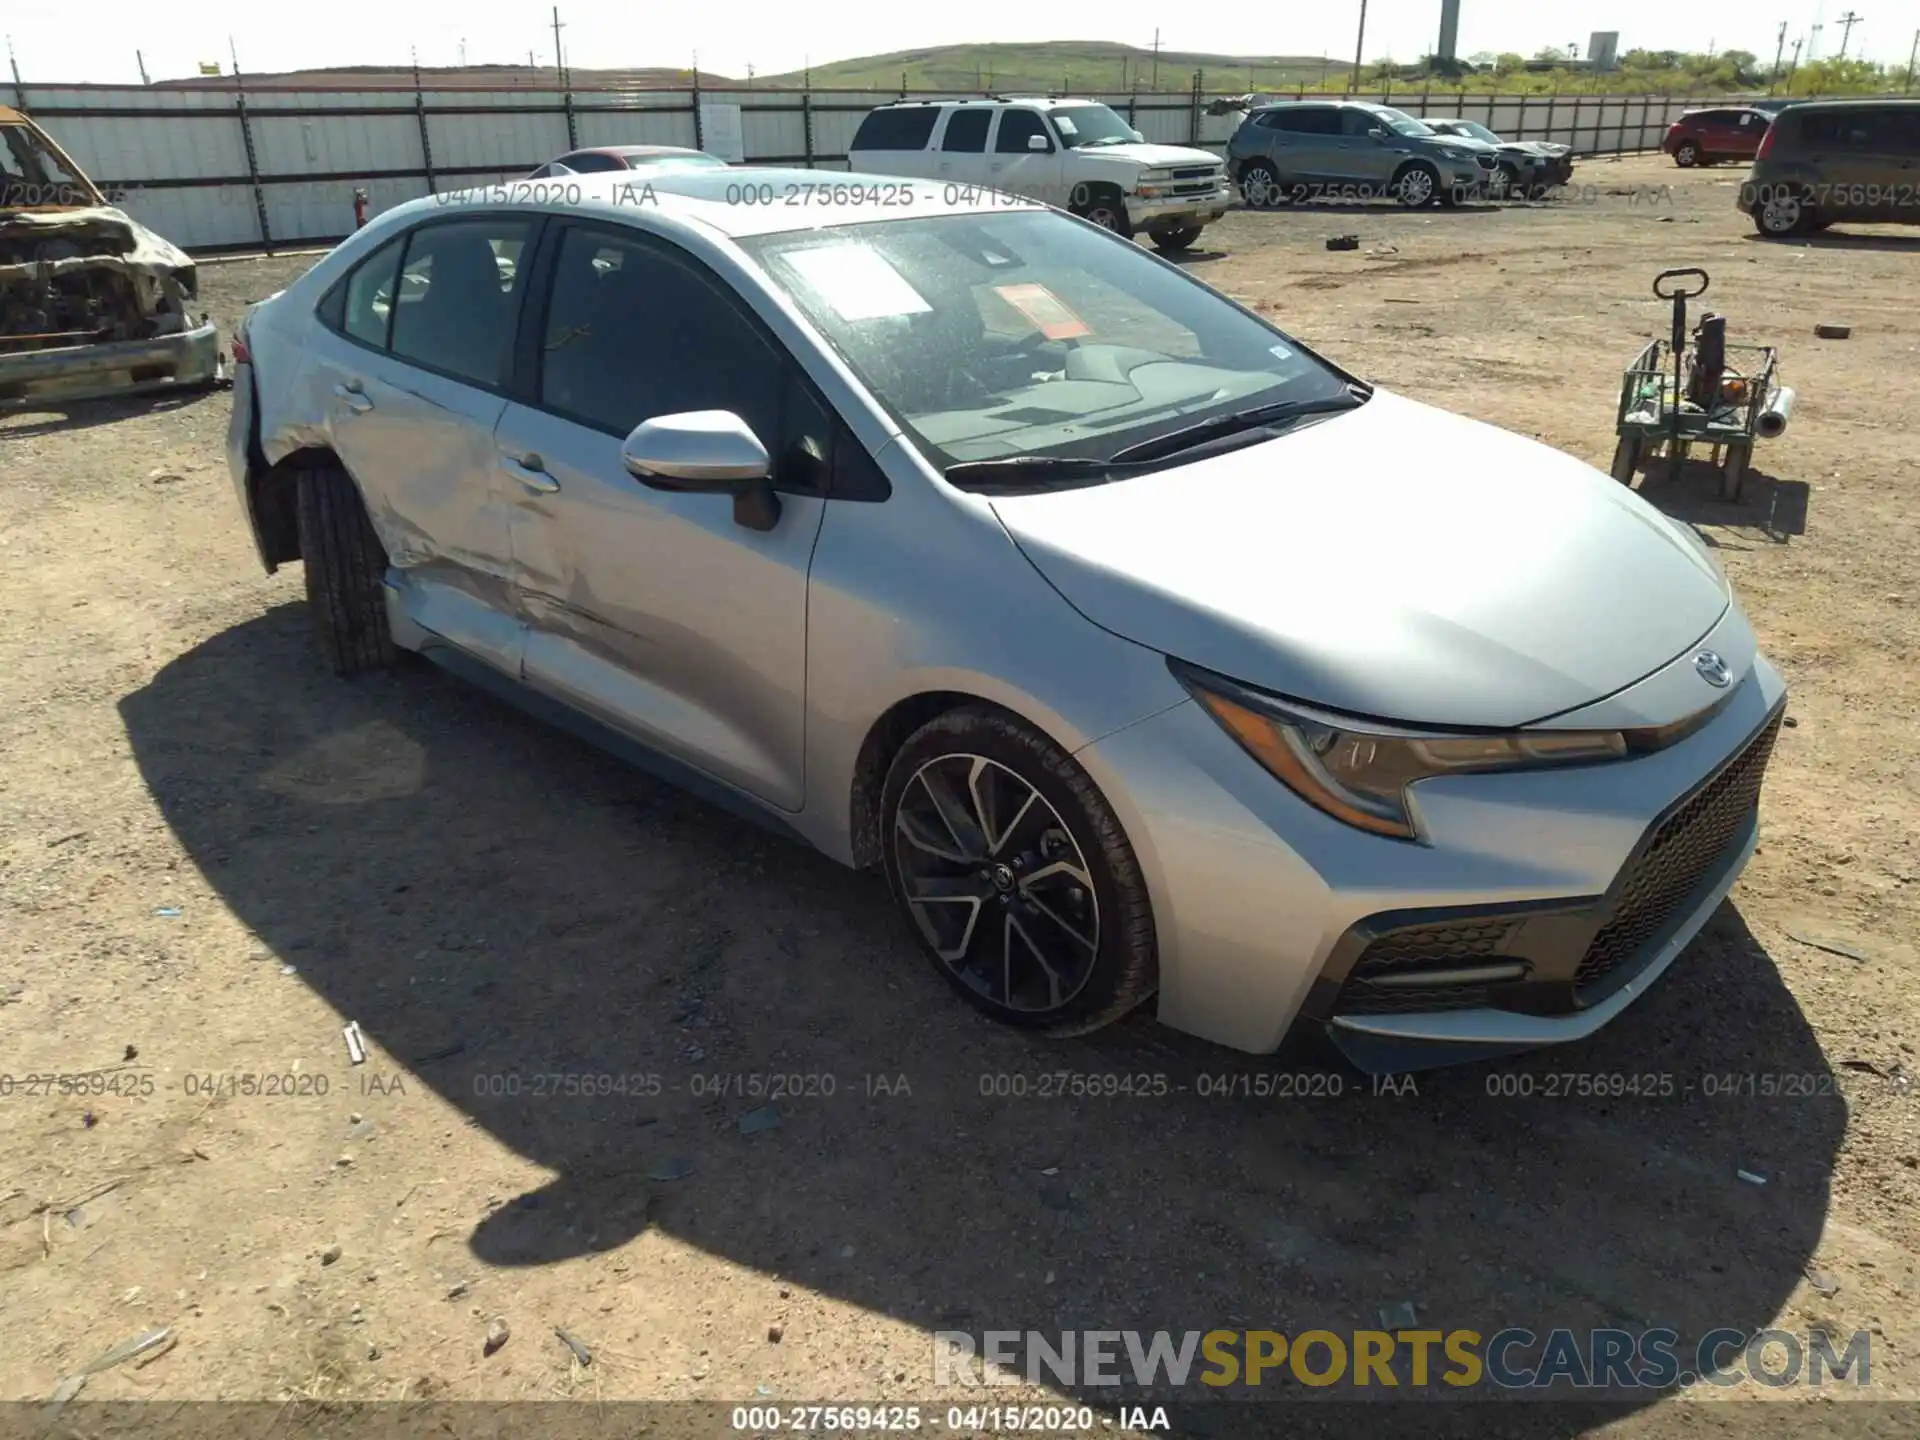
x,y
22,420
494,902
1772,508
1843,240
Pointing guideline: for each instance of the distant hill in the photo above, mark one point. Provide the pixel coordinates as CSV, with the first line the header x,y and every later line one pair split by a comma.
x,y
1080,65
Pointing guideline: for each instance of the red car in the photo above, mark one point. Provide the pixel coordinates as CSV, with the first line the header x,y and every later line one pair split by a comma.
x,y
1701,137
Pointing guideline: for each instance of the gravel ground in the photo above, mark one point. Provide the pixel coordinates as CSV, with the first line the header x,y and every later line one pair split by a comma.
x,y
213,856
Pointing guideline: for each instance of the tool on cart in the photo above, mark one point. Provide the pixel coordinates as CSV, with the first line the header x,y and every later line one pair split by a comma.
x,y
1677,394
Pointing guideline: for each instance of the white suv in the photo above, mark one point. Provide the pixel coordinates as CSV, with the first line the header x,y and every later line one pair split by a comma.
x,y
1077,155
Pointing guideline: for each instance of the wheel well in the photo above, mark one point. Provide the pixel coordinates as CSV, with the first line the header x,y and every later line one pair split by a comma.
x,y
274,496
1418,163
1101,190
883,742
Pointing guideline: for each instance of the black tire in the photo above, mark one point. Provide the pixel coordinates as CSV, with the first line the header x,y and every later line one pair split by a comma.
x,y
1177,239
1784,212
1506,184
1417,185
1261,186
1686,155
345,568
1108,211
1123,969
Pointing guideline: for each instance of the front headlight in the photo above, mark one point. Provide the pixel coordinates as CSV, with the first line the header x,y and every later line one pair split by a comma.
x,y
1447,152
1360,772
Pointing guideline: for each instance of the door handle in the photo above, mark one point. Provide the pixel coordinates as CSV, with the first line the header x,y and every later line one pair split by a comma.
x,y
356,401
531,471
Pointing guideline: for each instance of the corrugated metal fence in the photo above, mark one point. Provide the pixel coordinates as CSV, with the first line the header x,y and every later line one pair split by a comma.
x,y
231,169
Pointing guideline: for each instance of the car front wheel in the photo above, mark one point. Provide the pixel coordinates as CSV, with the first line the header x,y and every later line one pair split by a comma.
x,y
1014,874
1416,186
345,572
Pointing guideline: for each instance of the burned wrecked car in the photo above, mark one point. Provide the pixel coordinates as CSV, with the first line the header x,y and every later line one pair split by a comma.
x,y
91,301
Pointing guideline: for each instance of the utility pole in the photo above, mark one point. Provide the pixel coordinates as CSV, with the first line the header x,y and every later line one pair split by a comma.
x,y
1778,51
141,61
1156,60
1813,42
19,90
1359,47
1911,56
1847,22
235,54
559,65
1796,60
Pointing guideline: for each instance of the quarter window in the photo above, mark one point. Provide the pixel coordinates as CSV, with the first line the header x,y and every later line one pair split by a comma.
x,y
459,297
903,128
360,305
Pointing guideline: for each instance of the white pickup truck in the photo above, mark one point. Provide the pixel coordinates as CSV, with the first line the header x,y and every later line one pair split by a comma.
x,y
1078,155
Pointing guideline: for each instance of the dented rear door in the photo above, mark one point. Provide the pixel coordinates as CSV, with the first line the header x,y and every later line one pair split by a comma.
x,y
412,398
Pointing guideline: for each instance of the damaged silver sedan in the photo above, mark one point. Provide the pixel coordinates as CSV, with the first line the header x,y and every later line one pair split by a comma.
x,y
92,302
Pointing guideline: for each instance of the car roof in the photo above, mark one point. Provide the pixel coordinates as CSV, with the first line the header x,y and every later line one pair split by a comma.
x,y
1045,102
636,150
737,201
1889,102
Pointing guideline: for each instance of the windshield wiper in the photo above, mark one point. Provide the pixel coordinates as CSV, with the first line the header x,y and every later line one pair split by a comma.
x,y
1038,468
1259,418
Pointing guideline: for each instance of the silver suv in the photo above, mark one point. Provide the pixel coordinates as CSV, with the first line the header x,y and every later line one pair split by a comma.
x,y
1353,151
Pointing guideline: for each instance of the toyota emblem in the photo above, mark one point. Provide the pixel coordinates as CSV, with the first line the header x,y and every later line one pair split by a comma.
x,y
1713,669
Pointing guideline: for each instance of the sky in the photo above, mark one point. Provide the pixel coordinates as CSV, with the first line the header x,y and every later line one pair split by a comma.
x,y
50,46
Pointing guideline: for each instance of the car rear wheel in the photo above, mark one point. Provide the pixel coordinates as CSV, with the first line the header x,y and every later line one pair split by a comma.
x,y
1687,155
1783,212
1014,874
1176,239
345,568
1260,186
1417,185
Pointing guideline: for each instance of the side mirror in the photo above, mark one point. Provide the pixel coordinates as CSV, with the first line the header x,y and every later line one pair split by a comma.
x,y
1378,132
706,451
1039,142
1138,138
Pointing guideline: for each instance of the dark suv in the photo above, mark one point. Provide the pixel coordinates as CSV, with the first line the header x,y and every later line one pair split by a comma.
x,y
1836,161
1700,137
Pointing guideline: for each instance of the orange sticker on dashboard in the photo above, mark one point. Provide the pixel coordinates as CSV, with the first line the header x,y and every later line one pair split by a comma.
x,y
1047,311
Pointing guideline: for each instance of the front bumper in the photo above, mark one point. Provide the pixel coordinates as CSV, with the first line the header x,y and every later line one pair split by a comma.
x,y
126,367
1269,912
1156,212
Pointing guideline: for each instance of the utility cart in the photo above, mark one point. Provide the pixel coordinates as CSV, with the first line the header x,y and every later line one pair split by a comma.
x,y
1677,394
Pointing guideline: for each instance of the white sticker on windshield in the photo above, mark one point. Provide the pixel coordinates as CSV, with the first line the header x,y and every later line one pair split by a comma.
x,y
858,282
1280,352
1066,124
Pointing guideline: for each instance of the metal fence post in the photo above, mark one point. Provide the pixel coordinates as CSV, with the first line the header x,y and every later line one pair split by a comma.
x,y
806,121
1522,121
253,164
1193,110
1553,104
426,141
699,134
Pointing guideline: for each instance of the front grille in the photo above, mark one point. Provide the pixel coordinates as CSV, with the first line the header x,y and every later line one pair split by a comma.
x,y
1684,851
1485,162
1442,946
1195,172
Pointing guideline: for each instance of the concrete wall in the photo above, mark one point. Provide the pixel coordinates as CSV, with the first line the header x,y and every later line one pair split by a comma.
x,y
221,169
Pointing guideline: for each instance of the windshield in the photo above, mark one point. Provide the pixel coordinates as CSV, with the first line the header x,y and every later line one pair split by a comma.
x,y
1476,130
1401,121
1027,333
1082,126
32,174
674,162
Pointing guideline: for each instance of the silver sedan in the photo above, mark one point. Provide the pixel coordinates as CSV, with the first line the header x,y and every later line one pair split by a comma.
x,y
1149,655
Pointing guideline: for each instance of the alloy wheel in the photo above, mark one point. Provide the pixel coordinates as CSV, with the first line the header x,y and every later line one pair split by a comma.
x,y
1415,189
996,883
1260,187
1106,216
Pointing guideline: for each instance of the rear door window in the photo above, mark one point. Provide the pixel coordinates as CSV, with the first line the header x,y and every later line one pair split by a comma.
x,y
966,132
459,297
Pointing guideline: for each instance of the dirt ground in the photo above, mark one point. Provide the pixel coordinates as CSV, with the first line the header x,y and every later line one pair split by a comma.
x,y
213,856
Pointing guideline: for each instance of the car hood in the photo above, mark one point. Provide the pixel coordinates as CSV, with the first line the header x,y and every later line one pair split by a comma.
x,y
1395,561
1151,154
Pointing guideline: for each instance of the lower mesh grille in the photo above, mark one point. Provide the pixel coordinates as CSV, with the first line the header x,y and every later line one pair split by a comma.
x,y
1444,946
1683,852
